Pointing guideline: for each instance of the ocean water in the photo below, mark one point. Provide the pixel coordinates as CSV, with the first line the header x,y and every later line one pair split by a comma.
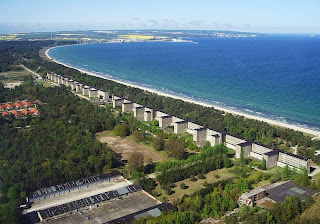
x,y
277,77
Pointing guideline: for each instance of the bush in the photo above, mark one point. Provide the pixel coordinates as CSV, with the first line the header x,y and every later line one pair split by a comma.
x,y
183,186
201,176
121,130
193,178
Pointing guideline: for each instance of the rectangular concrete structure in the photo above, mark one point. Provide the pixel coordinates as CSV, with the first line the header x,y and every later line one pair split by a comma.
x,y
69,83
180,127
65,81
234,142
117,102
103,94
200,136
165,121
250,198
93,93
127,107
176,119
192,126
214,137
293,161
148,114
85,90
159,114
59,80
138,113
73,85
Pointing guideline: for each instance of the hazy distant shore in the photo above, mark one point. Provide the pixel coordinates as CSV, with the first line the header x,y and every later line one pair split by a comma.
x,y
267,120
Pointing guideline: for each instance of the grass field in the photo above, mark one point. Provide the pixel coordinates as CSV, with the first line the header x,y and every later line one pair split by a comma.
x,y
194,186
14,75
126,146
47,84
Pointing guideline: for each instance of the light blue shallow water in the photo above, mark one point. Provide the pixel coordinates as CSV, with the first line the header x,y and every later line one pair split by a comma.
x,y
274,77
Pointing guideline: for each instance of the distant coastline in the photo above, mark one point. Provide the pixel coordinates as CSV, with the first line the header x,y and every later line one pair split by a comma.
x,y
249,116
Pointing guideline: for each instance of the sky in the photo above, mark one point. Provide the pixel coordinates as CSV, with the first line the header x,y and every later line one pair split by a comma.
x,y
263,16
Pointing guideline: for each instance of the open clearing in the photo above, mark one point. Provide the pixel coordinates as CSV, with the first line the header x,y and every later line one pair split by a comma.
x,y
194,186
126,146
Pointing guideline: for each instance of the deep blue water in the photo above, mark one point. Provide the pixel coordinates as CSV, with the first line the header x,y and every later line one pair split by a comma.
x,y
275,77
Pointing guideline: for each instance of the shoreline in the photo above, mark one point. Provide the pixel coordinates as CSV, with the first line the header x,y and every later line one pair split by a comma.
x,y
248,116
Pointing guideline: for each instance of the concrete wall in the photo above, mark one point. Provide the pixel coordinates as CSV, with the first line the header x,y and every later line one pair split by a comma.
x,y
159,114
103,94
73,85
200,136
246,148
234,140
148,114
65,81
93,93
117,102
79,87
271,161
59,80
176,119
260,149
180,127
193,126
69,83
138,113
214,137
85,90
165,121
127,107
294,161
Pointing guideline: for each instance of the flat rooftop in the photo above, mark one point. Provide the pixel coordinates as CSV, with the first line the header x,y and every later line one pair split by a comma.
x,y
280,192
76,195
154,211
110,210
89,201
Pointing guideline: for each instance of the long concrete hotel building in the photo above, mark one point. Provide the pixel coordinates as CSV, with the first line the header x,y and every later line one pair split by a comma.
x,y
201,134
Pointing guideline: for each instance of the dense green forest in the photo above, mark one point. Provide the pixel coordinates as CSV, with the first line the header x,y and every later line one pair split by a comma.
x,y
58,146
247,128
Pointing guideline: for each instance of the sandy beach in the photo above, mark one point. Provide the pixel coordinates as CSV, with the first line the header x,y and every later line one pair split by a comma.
x,y
249,116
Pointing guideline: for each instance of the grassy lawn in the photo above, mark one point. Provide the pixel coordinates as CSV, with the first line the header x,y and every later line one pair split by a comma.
x,y
194,186
47,84
14,75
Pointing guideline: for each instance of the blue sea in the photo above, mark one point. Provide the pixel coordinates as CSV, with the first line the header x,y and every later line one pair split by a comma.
x,y
276,77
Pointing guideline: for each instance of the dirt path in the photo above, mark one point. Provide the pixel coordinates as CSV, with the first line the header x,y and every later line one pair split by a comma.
x,y
127,146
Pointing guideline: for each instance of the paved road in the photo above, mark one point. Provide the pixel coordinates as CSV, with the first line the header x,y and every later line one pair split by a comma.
x,y
29,70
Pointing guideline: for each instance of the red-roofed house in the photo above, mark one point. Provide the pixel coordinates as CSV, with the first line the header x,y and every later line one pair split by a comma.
x,y
16,113
26,103
35,111
17,104
8,106
24,112
4,114
1,107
